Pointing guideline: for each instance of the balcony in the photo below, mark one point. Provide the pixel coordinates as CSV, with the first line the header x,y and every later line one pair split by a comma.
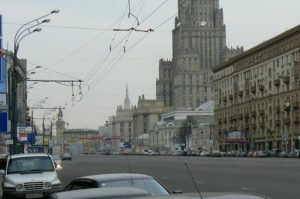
x,y
286,79
224,120
296,119
253,126
295,105
246,126
287,120
241,116
240,93
230,97
253,89
261,112
220,121
247,115
277,122
261,125
276,82
261,87
277,109
224,99
234,118
253,114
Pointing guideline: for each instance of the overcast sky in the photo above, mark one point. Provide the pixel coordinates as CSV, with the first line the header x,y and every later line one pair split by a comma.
x,y
76,45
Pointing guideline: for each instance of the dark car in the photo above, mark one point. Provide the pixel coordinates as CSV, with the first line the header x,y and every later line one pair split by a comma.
x,y
145,182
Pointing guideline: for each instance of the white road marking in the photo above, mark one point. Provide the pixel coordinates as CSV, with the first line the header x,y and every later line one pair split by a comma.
x,y
200,182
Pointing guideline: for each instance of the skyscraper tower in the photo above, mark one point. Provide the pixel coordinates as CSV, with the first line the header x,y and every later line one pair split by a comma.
x,y
199,44
127,101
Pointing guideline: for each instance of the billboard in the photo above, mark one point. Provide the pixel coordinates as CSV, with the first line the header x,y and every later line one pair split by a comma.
x,y
236,136
23,133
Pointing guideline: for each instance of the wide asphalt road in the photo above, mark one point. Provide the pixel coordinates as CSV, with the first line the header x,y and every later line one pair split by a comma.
x,y
277,178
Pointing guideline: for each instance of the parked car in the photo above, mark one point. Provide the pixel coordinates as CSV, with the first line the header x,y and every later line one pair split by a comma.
x,y
250,154
273,152
261,154
112,192
67,156
215,153
283,154
145,182
294,153
204,154
30,176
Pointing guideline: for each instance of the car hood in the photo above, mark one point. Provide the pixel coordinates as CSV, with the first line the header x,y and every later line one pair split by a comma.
x,y
31,177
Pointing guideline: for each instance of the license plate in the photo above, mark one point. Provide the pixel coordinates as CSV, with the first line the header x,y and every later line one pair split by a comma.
x,y
34,195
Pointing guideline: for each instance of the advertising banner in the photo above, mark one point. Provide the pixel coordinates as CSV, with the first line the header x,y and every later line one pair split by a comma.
x,y
2,99
236,136
39,140
23,133
2,75
3,122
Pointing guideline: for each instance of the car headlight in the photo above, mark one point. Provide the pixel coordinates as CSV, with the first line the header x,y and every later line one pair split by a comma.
x,y
47,185
19,187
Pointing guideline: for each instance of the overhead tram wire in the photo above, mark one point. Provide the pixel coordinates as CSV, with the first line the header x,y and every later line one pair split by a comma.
x,y
84,97
135,44
53,71
99,79
83,46
94,69
111,47
147,17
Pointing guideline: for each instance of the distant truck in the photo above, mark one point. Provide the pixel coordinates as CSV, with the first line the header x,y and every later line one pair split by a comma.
x,y
56,150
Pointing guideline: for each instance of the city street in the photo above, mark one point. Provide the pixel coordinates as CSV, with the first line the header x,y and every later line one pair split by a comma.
x,y
273,177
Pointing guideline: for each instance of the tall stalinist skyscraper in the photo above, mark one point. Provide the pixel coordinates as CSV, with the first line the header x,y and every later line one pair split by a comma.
x,y
199,44
127,100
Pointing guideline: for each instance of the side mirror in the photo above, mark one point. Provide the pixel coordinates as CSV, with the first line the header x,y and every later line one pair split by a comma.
x,y
177,192
2,172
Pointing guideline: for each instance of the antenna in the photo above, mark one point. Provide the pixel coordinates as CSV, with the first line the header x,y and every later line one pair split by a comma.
x,y
186,165
130,171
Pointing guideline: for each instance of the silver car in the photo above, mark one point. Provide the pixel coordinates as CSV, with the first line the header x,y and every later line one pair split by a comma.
x,y
141,181
30,176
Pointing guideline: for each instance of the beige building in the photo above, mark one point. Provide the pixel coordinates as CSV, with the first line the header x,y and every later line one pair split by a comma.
x,y
75,139
145,115
122,124
257,96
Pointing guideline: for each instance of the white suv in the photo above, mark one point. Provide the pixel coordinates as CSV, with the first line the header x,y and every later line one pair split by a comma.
x,y
30,176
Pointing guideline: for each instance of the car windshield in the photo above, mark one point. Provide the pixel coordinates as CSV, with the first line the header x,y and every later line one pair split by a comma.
x,y
29,165
149,185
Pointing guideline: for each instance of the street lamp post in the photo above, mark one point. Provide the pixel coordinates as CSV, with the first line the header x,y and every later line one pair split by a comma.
x,y
21,33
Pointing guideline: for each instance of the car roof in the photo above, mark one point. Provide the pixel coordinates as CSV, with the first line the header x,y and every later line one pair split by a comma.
x,y
116,176
115,192
29,155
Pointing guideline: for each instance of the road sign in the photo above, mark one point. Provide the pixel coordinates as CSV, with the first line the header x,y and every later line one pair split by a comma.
x,y
285,139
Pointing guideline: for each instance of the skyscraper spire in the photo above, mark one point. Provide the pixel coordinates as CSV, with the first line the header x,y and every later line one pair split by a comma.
x,y
127,101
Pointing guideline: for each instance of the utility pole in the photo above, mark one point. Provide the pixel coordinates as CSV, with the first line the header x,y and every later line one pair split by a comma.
x,y
43,132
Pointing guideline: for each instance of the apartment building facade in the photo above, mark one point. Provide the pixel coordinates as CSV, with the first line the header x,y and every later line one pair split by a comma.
x,y
257,96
